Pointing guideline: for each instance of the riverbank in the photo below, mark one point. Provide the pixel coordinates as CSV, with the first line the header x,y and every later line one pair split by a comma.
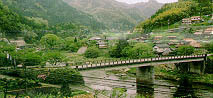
x,y
174,75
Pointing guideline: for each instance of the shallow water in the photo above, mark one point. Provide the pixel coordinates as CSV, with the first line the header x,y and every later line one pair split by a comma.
x,y
100,80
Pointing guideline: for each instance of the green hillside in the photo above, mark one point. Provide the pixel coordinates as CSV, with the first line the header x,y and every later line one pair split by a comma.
x,y
54,11
12,23
172,13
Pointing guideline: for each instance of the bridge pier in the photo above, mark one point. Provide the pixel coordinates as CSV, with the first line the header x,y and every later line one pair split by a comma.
x,y
145,81
192,67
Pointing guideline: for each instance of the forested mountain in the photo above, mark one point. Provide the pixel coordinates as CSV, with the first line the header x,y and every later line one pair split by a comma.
x,y
116,15
53,12
175,12
12,23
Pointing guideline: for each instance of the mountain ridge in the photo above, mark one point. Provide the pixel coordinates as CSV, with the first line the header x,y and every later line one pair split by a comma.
x,y
114,14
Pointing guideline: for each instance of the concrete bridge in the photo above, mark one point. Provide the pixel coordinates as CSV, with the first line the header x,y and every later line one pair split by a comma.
x,y
140,62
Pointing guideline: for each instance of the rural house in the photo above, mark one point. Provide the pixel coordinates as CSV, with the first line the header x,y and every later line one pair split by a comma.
x,y
20,43
162,49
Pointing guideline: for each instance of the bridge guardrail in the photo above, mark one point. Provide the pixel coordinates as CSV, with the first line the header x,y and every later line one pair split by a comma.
x,y
104,63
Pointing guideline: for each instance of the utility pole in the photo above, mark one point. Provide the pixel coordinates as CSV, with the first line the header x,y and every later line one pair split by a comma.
x,y
168,24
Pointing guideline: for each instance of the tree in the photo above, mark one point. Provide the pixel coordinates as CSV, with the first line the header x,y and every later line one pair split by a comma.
x,y
65,90
6,50
27,57
185,50
141,50
71,44
116,51
92,52
54,57
50,41
209,46
32,59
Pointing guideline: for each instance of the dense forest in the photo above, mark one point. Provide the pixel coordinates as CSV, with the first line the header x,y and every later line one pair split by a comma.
x,y
15,23
53,12
175,12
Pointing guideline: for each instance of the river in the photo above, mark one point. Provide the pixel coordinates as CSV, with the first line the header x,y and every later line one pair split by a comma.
x,y
103,81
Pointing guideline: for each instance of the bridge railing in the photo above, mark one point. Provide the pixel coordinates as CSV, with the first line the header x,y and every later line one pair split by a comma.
x,y
105,63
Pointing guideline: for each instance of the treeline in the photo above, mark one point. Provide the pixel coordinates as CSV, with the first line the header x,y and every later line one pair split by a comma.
x,y
175,12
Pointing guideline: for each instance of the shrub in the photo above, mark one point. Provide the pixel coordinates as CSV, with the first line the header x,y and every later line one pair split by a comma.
x,y
54,76
92,52
141,50
185,50
10,84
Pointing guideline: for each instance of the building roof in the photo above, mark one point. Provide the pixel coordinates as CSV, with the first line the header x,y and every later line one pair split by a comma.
x,y
195,44
172,36
95,38
198,33
158,36
188,39
18,43
162,45
101,43
195,17
187,19
209,31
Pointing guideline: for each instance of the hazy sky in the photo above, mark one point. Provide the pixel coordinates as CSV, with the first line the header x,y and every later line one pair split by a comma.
x,y
136,1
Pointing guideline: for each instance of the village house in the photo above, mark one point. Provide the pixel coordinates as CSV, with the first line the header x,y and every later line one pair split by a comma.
x,y
162,49
208,31
174,30
195,44
186,21
158,37
191,20
171,37
102,45
19,43
192,42
188,39
137,30
198,32
196,19
95,38
173,42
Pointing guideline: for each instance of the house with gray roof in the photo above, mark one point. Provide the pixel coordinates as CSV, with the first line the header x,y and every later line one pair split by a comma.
x,y
162,49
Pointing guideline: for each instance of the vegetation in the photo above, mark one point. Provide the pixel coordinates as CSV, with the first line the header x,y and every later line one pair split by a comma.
x,y
92,52
54,57
50,41
53,76
53,11
116,51
141,50
171,74
14,84
48,92
209,46
185,50
174,12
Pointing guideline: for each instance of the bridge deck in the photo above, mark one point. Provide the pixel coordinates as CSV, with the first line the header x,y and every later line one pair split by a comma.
x,y
102,64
